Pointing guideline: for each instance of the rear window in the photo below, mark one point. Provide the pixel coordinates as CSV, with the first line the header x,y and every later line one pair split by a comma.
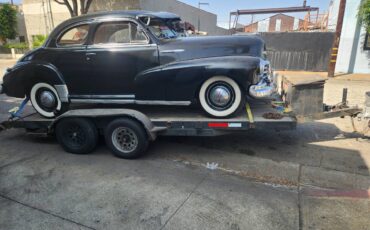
x,y
119,33
74,36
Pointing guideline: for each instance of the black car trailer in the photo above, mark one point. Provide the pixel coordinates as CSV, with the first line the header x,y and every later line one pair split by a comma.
x,y
128,131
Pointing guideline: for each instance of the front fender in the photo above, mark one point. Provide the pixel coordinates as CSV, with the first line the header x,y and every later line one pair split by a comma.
x,y
18,80
181,81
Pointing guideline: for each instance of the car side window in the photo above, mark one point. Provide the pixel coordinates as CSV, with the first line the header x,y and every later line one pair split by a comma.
x,y
119,33
74,36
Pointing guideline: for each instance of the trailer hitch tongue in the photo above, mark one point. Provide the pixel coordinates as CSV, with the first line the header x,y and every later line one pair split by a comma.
x,y
2,127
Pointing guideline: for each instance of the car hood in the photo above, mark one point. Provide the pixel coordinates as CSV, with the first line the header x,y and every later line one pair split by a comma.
x,y
188,48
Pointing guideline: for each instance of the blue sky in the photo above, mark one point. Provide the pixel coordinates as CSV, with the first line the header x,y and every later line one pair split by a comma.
x,y
223,7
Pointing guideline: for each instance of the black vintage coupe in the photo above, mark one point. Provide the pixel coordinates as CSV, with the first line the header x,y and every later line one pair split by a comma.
x,y
139,57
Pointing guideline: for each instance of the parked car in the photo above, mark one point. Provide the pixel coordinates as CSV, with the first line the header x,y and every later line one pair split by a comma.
x,y
139,57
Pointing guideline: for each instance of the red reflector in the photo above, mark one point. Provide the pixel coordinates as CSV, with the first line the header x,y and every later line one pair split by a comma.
x,y
218,125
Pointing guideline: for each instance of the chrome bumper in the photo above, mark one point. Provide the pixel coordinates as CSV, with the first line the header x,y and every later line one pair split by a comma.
x,y
261,91
265,88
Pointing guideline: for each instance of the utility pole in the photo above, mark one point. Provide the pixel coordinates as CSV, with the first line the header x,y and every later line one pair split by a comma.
x,y
11,2
51,14
200,4
47,31
338,33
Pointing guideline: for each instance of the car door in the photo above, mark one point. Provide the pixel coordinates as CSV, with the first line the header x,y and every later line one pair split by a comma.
x,y
70,58
118,52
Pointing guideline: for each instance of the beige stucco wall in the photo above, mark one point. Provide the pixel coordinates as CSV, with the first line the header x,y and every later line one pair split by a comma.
x,y
109,5
21,26
38,19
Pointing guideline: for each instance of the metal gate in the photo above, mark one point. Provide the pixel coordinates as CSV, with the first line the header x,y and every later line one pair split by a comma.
x,y
304,51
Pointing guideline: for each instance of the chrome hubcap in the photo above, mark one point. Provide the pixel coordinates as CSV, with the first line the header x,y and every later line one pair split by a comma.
x,y
124,139
220,96
47,99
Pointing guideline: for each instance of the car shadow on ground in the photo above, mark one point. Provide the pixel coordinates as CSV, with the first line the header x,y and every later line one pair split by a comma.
x,y
317,144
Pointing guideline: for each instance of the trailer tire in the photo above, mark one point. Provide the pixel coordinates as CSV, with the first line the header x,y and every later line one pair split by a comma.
x,y
77,135
126,138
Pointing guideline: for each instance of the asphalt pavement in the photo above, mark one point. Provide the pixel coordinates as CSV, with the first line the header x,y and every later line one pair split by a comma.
x,y
315,177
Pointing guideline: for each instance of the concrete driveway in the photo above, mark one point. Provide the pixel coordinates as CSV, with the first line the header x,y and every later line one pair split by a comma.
x,y
315,177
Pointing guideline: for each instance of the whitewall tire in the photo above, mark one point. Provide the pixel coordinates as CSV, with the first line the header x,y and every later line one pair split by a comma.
x,y
220,96
45,100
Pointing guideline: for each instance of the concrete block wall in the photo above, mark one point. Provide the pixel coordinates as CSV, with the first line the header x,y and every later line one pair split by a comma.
x,y
269,24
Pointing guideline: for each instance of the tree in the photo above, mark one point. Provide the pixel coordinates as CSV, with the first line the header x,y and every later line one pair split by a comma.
x,y
364,14
72,6
8,22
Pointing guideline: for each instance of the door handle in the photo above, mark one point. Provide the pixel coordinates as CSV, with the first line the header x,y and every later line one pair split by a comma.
x,y
88,56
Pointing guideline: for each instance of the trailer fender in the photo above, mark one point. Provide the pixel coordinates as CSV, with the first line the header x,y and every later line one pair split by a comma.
x,y
106,113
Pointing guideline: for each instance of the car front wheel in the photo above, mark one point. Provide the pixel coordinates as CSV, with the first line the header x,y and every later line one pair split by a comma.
x,y
45,100
220,96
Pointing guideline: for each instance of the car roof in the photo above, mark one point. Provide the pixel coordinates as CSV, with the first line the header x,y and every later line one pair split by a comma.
x,y
123,13
107,14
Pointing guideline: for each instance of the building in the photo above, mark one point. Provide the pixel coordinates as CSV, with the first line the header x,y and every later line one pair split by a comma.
x,y
354,48
21,27
275,23
41,16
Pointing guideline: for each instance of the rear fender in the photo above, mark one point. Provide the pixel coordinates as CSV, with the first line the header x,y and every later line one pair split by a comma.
x,y
19,79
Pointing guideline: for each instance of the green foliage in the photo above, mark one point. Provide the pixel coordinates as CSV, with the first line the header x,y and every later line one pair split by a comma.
x,y
21,45
38,40
8,22
364,14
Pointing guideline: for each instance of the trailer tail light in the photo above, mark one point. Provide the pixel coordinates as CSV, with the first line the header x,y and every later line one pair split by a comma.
x,y
224,125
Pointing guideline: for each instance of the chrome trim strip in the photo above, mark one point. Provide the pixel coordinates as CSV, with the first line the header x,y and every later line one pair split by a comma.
x,y
102,101
139,102
62,91
120,45
184,103
172,51
126,96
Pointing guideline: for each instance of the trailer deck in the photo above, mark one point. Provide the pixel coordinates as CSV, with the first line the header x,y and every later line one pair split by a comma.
x,y
172,121
131,128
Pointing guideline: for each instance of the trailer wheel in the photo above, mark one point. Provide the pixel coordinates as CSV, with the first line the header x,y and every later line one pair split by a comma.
x,y
77,135
126,138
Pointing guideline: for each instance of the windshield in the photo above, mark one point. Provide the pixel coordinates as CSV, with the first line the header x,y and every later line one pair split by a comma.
x,y
165,28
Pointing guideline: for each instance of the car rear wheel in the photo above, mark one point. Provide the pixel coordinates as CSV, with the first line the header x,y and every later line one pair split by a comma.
x,y
220,96
45,100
